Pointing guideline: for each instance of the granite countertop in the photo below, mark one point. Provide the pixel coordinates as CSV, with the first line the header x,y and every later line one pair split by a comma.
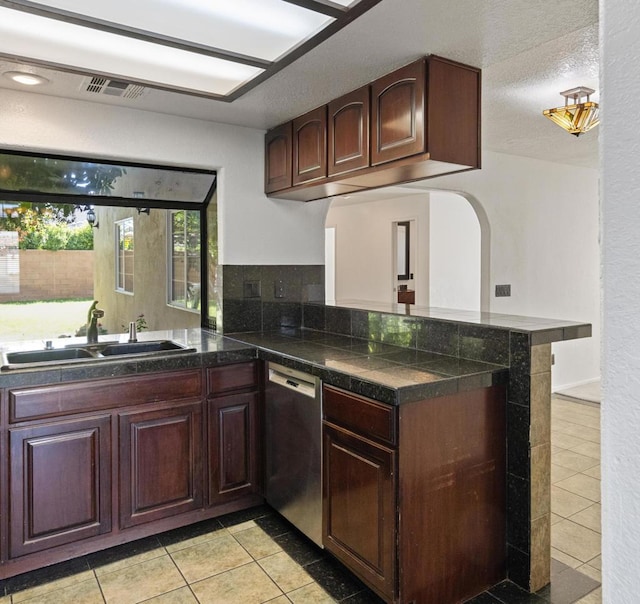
x,y
208,348
386,373
542,330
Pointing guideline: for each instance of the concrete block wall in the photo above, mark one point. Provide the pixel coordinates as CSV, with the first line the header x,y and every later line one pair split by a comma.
x,y
47,275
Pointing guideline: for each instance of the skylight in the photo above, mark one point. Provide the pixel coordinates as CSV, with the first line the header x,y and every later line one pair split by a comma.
x,y
212,48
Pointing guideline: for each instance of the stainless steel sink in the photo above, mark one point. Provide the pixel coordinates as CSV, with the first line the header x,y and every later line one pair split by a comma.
x,y
83,353
141,348
43,356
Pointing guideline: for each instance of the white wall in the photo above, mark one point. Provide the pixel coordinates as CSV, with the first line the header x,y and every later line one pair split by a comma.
x,y
254,229
364,246
620,149
446,266
454,253
543,220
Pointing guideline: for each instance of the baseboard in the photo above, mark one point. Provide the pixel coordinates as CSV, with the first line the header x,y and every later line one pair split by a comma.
x,y
559,389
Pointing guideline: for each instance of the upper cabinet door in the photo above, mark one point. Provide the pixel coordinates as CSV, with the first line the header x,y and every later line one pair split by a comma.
x,y
348,125
277,159
397,113
310,146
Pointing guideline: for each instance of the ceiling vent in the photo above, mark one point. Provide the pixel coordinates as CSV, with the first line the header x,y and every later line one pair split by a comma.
x,y
117,88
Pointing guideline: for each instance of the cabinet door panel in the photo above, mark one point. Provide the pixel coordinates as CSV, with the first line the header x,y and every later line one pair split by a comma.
x,y
453,131
160,463
397,112
60,483
310,146
277,158
348,132
233,447
359,506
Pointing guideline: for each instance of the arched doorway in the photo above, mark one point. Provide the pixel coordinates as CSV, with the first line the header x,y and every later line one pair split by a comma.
x,y
447,247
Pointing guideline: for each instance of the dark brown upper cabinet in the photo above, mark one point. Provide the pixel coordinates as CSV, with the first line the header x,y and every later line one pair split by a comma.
x,y
348,132
277,159
453,112
398,114
423,121
310,146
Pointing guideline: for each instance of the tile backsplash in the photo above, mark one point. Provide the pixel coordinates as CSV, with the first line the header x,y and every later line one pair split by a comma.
x,y
267,297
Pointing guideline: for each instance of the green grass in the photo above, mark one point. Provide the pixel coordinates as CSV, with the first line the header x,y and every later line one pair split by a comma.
x,y
42,320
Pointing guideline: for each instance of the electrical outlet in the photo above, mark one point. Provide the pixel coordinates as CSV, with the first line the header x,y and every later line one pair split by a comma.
x,y
251,289
503,291
278,289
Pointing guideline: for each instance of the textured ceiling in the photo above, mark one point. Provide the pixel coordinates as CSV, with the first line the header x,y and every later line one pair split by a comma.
x,y
527,54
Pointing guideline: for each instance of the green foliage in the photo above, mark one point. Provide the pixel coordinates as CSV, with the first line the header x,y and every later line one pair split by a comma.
x,y
56,236
47,231
80,238
141,323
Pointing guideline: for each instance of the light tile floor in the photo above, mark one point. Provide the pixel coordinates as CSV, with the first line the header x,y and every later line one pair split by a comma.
x,y
223,561
255,557
575,488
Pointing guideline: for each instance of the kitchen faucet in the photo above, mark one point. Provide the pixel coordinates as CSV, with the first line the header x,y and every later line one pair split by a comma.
x,y
92,323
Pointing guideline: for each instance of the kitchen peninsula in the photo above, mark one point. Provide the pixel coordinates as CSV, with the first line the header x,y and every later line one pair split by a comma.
x,y
401,375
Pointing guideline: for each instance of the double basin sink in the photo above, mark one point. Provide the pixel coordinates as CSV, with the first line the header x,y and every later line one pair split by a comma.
x,y
74,353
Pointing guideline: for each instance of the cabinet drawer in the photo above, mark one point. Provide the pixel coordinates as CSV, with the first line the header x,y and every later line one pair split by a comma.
x,y
367,417
79,397
232,377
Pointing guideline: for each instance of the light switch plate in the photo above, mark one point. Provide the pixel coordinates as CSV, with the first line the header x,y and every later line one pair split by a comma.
x,y
278,289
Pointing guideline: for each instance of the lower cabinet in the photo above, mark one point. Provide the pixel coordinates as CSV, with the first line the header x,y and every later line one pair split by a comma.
x,y
233,432
96,463
360,506
60,483
233,470
160,462
414,494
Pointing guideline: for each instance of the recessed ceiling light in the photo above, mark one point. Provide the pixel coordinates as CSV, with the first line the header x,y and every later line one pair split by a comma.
x,y
28,79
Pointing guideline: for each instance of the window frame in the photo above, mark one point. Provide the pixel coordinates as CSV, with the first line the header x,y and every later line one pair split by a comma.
x,y
170,264
119,224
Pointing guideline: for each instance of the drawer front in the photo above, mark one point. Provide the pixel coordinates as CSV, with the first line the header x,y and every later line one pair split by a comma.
x,y
79,397
362,415
227,378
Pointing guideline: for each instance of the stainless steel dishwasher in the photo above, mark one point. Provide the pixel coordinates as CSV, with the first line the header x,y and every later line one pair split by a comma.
x,y
293,448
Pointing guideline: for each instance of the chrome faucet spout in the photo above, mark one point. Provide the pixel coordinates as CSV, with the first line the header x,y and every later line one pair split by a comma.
x,y
92,328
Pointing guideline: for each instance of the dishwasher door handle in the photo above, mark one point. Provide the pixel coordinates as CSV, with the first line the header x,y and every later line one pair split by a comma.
x,y
297,385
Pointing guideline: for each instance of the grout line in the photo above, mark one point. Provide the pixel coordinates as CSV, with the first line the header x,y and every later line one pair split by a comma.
x,y
104,598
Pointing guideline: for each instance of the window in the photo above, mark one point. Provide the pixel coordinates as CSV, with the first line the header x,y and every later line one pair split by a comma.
x,y
184,259
124,255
